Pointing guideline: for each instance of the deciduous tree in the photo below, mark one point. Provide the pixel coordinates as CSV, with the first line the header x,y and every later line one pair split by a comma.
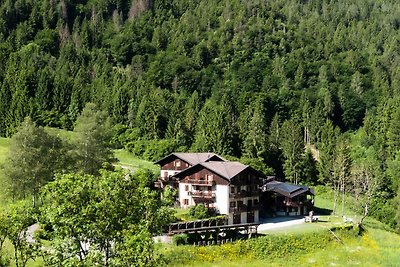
x,y
92,140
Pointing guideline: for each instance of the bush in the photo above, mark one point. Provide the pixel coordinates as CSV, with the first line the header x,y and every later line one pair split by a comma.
x,y
181,239
199,211
157,149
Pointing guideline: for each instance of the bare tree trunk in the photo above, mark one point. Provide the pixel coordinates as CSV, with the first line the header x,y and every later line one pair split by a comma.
x,y
342,197
335,196
365,212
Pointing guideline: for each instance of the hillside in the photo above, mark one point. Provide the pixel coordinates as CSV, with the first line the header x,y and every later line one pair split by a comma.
x,y
250,80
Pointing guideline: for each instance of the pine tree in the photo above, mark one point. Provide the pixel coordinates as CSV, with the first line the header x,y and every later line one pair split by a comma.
x,y
255,142
292,145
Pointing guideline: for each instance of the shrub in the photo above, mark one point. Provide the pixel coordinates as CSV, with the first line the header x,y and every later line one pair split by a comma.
x,y
199,211
181,239
157,149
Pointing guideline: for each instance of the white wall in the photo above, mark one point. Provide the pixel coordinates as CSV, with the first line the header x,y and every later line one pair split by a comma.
x,y
185,195
243,217
222,198
230,218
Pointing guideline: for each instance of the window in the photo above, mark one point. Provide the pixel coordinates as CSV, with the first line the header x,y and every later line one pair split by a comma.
x,y
186,187
232,204
177,163
186,201
232,190
249,203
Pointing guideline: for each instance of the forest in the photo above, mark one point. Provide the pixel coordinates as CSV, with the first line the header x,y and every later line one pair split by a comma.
x,y
256,81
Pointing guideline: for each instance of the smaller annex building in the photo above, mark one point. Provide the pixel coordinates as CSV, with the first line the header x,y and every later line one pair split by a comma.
x,y
284,199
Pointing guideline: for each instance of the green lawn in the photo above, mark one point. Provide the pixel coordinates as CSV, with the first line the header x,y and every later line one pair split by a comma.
x,y
127,159
4,147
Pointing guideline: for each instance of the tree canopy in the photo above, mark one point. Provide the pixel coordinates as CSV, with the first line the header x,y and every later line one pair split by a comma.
x,y
240,78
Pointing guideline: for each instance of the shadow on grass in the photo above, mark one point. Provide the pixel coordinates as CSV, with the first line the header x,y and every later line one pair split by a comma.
x,y
322,211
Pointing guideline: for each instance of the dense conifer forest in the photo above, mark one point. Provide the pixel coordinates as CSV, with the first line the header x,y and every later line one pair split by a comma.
x,y
253,80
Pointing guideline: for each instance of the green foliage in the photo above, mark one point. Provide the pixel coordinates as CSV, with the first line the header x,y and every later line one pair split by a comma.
x,y
113,208
15,221
136,249
33,159
199,211
181,239
92,140
262,248
292,149
219,85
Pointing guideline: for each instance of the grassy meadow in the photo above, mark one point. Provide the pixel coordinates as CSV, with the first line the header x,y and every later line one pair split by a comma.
x,y
4,147
128,160
375,248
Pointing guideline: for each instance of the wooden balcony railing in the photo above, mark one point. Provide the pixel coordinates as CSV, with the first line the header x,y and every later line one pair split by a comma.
x,y
202,194
200,182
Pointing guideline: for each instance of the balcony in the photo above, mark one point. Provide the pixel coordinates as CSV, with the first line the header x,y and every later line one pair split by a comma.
x,y
200,182
167,178
157,184
202,194
241,208
244,193
244,208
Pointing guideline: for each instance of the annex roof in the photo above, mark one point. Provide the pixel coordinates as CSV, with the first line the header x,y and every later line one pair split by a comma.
x,y
192,158
287,190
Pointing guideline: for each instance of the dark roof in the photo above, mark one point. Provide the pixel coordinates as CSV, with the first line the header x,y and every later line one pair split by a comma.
x,y
225,169
191,158
287,190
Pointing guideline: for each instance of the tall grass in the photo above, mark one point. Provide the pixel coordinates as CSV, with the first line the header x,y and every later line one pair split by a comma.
x,y
374,248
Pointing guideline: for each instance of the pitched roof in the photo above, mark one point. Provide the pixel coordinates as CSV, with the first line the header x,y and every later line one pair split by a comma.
x,y
191,158
225,169
288,190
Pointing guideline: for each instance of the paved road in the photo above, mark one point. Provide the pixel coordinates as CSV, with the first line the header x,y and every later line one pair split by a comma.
x,y
279,222
30,232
